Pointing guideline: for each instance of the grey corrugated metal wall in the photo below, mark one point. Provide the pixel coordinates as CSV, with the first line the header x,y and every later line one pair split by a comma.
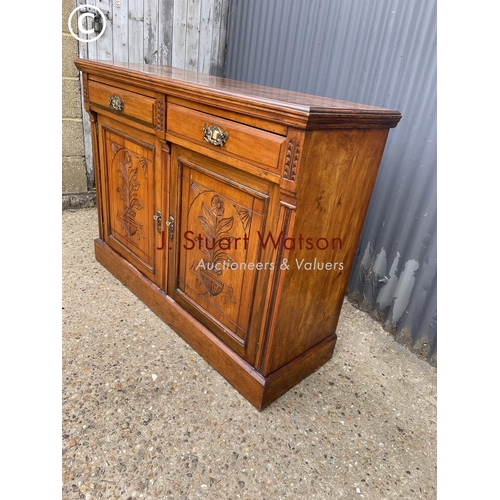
x,y
373,52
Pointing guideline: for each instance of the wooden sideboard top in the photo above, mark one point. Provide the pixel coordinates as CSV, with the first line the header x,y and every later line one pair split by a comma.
x,y
292,108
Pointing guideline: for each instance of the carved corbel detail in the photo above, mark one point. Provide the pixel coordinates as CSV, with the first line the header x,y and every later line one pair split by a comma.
x,y
292,160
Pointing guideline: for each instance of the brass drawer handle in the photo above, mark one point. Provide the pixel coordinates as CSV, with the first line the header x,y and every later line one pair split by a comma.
x,y
116,103
214,135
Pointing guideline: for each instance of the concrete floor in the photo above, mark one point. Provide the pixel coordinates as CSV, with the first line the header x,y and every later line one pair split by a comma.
x,y
146,417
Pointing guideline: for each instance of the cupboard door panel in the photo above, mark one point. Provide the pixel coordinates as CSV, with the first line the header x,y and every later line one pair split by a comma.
x,y
131,180
217,269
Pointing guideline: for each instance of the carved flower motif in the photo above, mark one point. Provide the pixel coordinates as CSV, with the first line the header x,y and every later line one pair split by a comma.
x,y
217,205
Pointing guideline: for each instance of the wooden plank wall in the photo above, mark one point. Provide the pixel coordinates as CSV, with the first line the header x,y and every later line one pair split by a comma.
x,y
186,34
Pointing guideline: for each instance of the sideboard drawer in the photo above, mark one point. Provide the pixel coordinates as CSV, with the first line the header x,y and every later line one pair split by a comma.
x,y
136,106
233,139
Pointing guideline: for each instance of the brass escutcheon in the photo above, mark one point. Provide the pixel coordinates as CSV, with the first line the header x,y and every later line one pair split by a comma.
x,y
170,224
157,218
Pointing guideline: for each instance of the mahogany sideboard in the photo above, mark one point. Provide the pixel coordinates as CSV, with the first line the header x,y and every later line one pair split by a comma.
x,y
233,211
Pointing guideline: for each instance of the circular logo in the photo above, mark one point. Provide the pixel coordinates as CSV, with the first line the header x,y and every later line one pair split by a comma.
x,y
96,19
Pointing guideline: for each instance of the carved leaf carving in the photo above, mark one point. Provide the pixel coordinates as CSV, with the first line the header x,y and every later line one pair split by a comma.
x,y
223,226
206,227
245,217
215,227
143,162
127,192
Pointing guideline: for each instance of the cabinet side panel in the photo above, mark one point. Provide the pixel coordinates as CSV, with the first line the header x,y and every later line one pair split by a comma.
x,y
338,170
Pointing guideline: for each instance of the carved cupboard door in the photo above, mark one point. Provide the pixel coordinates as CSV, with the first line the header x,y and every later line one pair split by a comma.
x,y
218,270
131,183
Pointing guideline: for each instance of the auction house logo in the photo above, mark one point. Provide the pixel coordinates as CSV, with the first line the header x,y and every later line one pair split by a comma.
x,y
91,21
